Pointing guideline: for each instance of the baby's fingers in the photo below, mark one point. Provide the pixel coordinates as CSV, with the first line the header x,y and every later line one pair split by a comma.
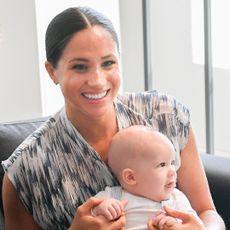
x,y
160,220
114,212
168,221
110,214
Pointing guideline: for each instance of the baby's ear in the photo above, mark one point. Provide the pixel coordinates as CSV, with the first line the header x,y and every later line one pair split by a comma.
x,y
128,176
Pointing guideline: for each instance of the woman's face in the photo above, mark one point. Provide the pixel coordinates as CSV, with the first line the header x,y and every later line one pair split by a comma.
x,y
88,73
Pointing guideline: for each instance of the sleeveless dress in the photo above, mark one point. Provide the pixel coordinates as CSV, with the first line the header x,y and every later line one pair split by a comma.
x,y
55,170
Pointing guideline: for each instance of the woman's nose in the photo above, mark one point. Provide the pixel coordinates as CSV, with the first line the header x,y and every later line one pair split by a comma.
x,y
97,78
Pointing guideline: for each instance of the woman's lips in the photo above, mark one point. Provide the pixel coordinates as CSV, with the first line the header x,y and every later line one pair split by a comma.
x,y
95,96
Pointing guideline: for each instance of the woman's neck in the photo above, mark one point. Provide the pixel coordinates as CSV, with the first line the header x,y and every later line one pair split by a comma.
x,y
98,132
95,129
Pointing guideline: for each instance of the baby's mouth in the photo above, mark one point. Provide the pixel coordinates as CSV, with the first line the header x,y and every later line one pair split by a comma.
x,y
171,184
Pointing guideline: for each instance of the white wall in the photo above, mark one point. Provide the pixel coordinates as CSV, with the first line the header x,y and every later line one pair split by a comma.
x,y
25,89
132,45
19,73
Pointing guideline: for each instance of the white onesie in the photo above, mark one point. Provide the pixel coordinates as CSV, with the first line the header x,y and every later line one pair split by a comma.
x,y
139,209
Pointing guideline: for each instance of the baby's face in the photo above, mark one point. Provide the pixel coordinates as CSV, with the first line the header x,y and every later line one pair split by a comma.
x,y
155,172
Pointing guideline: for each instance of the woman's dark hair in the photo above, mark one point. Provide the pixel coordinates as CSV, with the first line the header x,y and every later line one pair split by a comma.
x,y
66,24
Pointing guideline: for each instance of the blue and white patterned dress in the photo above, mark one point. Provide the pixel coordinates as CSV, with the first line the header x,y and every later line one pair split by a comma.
x,y
55,170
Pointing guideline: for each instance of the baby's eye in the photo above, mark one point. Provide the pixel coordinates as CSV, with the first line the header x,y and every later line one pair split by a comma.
x,y
80,67
173,162
107,64
162,164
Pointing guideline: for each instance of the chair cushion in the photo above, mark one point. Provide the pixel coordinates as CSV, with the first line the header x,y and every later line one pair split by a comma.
x,y
11,136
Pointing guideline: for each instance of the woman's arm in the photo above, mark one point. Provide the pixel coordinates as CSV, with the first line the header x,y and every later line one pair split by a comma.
x,y
15,214
17,217
193,182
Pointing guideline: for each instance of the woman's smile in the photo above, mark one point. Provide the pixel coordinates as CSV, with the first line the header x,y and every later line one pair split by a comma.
x,y
95,96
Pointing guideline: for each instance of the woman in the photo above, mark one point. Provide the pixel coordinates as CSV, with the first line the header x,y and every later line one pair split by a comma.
x,y
50,176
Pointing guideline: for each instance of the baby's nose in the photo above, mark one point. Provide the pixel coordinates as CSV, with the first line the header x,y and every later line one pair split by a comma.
x,y
172,170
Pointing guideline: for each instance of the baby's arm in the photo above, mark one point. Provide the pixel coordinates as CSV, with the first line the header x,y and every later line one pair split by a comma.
x,y
110,208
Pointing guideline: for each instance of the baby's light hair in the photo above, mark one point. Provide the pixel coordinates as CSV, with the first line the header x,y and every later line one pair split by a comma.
x,y
128,147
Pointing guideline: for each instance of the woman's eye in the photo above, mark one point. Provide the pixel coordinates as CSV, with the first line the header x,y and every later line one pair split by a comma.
x,y
107,64
80,67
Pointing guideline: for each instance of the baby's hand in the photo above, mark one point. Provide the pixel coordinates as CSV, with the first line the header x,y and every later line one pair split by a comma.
x,y
162,219
110,208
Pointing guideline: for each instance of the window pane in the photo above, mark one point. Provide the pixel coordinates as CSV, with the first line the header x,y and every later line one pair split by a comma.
x,y
221,73
176,68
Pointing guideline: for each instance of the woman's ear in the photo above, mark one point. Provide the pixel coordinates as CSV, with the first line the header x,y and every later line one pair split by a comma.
x,y
52,72
128,176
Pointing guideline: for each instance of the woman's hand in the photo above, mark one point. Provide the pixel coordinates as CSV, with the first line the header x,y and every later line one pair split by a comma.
x,y
84,220
151,225
188,221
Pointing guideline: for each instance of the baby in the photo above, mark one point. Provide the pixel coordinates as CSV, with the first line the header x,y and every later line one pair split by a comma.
x,y
143,160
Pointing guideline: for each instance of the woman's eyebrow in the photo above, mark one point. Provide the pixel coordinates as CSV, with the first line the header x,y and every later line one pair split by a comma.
x,y
86,60
107,56
78,59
